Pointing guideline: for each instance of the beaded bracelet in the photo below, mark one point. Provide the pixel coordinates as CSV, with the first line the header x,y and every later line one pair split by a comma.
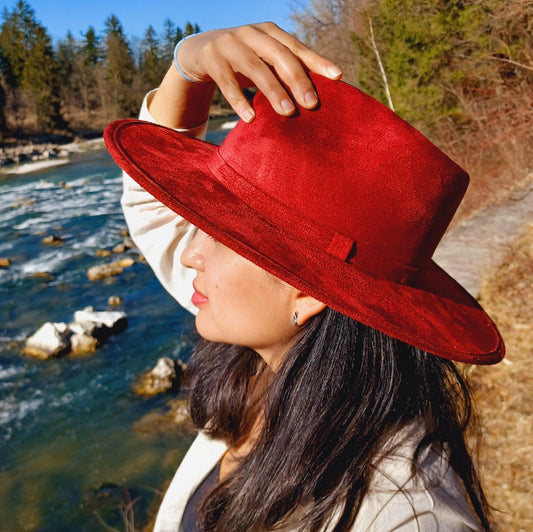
x,y
176,57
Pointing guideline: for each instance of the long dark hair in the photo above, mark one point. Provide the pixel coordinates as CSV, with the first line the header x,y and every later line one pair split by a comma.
x,y
342,391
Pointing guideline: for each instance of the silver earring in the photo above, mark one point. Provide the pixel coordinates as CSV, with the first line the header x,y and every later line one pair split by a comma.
x,y
294,318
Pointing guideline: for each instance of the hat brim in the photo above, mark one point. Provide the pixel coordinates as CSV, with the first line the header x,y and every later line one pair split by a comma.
x,y
437,314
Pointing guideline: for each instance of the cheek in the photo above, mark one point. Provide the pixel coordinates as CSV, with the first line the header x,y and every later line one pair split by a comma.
x,y
254,308
247,302
268,310
246,305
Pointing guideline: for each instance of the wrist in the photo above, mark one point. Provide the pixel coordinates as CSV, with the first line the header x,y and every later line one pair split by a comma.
x,y
181,104
176,59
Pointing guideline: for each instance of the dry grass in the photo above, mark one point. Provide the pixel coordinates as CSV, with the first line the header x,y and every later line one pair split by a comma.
x,y
505,392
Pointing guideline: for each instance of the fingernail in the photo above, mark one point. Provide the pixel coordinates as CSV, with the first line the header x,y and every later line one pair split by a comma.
x,y
334,72
287,106
310,98
247,115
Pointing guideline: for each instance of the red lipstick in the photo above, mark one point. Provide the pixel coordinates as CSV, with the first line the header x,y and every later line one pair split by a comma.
x,y
198,298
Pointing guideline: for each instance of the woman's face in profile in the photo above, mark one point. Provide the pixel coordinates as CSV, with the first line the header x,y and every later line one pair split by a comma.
x,y
238,302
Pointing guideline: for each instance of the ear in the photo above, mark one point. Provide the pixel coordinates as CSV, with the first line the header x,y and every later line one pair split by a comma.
x,y
307,307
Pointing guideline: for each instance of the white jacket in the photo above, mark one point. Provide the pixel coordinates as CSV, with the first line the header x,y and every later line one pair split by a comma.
x,y
395,502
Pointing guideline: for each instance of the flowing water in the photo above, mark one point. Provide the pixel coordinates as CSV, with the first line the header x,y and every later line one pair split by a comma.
x,y
70,455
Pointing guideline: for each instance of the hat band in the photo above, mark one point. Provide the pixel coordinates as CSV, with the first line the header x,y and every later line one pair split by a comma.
x,y
308,231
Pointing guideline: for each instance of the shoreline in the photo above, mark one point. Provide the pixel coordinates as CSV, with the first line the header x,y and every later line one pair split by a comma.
x,y
27,159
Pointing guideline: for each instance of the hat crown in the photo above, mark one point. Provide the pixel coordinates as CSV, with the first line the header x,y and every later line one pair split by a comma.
x,y
384,191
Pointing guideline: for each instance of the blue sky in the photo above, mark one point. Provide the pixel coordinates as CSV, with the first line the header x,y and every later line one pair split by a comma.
x,y
59,16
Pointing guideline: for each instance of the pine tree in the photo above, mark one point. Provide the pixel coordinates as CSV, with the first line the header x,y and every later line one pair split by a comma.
x,y
29,67
3,124
151,65
90,69
67,55
91,48
119,69
169,41
190,29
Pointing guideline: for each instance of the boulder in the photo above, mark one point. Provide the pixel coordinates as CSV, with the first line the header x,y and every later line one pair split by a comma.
x,y
103,253
120,248
114,301
129,243
53,240
50,340
126,244
82,327
181,414
163,377
83,343
176,419
83,335
99,324
43,276
125,263
94,273
107,270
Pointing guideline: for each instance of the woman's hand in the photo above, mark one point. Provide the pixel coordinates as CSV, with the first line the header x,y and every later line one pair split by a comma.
x,y
260,55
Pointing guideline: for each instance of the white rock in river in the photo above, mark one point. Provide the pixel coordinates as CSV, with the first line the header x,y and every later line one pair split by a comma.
x,y
83,343
82,327
99,323
88,330
163,377
50,340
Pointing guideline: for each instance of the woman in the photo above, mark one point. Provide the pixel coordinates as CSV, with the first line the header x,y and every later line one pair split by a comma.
x,y
325,390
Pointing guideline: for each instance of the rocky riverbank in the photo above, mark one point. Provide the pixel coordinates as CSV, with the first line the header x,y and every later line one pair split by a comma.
x,y
41,152
31,156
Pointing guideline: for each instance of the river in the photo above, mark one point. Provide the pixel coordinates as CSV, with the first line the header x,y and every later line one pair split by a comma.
x,y
71,455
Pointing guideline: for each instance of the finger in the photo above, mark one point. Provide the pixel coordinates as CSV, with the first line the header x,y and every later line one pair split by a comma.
x,y
292,73
266,82
311,59
238,60
222,73
287,66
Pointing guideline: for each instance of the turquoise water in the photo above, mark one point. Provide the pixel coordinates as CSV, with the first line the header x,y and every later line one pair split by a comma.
x,y
70,456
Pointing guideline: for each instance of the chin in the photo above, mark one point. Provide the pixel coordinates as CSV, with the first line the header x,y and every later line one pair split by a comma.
x,y
207,333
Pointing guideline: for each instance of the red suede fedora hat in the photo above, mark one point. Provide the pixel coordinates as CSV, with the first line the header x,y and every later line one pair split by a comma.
x,y
346,202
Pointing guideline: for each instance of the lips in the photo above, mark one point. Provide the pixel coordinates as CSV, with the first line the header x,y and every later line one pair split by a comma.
x,y
198,298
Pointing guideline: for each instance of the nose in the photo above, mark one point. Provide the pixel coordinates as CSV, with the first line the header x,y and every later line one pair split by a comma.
x,y
193,256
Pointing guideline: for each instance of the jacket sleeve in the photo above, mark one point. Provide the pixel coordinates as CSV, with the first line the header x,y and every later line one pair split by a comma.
x,y
159,233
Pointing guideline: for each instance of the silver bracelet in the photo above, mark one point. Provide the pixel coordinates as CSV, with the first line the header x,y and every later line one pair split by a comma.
x,y
176,57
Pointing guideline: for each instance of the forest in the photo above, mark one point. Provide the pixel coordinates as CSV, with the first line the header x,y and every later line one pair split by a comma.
x,y
76,83
459,70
